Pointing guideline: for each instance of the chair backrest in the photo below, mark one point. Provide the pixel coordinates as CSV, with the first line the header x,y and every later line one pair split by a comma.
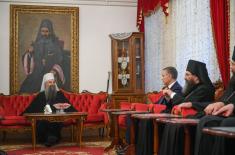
x,y
219,89
140,107
125,105
184,112
153,97
158,108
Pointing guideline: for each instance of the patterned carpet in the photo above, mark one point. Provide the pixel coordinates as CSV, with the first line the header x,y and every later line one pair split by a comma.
x,y
87,148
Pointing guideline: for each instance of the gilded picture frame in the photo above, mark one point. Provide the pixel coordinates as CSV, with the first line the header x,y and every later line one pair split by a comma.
x,y
33,53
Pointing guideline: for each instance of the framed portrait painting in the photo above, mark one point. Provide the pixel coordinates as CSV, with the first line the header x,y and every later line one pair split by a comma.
x,y
43,39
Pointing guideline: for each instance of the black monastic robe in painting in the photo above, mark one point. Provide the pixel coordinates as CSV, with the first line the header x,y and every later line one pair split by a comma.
x,y
207,144
201,92
46,129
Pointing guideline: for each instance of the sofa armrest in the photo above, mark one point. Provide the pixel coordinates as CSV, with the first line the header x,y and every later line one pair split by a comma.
x,y
106,117
2,112
184,112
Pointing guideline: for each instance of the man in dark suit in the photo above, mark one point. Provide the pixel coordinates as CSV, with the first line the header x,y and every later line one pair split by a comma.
x,y
169,79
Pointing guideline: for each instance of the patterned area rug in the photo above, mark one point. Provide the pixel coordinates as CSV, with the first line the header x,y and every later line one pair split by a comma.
x,y
88,148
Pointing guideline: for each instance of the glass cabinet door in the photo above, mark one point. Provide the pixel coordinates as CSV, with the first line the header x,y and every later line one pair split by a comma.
x,y
128,63
123,64
138,61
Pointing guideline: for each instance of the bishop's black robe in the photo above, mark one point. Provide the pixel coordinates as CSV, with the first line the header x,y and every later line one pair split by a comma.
x,y
47,129
144,144
207,144
172,139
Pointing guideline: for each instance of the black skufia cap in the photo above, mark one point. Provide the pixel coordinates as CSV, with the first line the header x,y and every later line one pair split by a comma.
x,y
199,69
194,67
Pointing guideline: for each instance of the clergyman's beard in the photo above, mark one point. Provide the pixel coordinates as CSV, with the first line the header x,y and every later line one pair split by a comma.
x,y
50,93
44,39
188,87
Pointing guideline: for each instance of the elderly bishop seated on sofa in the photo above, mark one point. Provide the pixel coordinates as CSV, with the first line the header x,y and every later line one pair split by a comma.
x,y
48,132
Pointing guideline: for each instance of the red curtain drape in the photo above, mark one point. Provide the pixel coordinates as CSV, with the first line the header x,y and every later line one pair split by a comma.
x,y
146,7
220,24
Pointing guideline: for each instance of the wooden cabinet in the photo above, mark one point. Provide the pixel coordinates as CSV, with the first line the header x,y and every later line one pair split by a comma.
x,y
127,67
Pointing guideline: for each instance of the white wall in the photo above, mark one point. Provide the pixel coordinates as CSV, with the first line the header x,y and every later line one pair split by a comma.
x,y
96,22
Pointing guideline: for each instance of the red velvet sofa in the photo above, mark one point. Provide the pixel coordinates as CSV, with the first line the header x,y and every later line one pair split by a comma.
x,y
12,106
92,103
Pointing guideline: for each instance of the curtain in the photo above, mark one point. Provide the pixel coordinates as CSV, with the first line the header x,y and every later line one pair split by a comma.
x,y
220,23
146,8
185,34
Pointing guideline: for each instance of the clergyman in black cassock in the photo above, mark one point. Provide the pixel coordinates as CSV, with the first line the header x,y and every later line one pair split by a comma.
x,y
48,132
218,114
201,89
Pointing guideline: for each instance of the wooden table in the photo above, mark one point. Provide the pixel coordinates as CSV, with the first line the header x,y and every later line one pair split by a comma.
x,y
186,123
110,118
149,116
228,132
57,117
116,140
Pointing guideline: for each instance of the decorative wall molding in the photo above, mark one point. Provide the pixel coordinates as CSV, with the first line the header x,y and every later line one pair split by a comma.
x,y
127,3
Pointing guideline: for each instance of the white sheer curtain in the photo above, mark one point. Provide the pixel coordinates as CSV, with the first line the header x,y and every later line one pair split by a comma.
x,y
185,34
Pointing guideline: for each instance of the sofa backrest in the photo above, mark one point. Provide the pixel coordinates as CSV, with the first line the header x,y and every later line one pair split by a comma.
x,y
14,105
86,102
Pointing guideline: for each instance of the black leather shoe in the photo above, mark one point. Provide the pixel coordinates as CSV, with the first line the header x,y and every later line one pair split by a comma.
x,y
122,150
51,140
47,144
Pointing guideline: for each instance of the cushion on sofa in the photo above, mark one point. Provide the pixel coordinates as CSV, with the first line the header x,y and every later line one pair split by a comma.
x,y
94,118
14,120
